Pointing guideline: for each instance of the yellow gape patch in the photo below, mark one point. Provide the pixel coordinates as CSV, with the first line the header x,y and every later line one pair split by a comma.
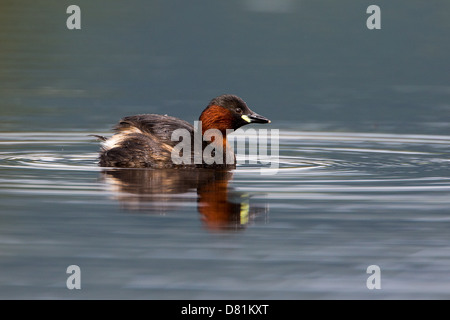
x,y
246,118
244,212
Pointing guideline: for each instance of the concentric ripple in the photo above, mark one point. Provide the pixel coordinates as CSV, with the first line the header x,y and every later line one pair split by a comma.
x,y
48,151
298,152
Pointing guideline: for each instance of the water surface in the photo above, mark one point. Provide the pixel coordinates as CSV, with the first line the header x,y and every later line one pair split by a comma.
x,y
339,203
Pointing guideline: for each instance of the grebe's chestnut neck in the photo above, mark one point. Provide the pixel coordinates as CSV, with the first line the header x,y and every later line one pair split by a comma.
x,y
228,112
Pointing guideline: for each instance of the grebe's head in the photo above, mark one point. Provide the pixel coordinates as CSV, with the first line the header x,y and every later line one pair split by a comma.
x,y
228,112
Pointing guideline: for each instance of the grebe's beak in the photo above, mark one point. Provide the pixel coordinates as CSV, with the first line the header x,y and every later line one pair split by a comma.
x,y
255,118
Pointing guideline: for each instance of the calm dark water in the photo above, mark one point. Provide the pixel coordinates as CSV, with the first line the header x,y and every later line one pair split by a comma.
x,y
364,151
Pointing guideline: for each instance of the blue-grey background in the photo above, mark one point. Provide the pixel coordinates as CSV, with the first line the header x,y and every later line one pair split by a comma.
x,y
303,61
364,122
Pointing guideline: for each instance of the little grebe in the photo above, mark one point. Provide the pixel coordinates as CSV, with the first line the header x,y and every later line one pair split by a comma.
x,y
145,141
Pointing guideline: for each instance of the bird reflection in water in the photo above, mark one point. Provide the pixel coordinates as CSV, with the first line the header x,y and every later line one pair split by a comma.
x,y
161,191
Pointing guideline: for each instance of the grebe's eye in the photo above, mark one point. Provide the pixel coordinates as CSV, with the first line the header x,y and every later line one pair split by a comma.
x,y
238,110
